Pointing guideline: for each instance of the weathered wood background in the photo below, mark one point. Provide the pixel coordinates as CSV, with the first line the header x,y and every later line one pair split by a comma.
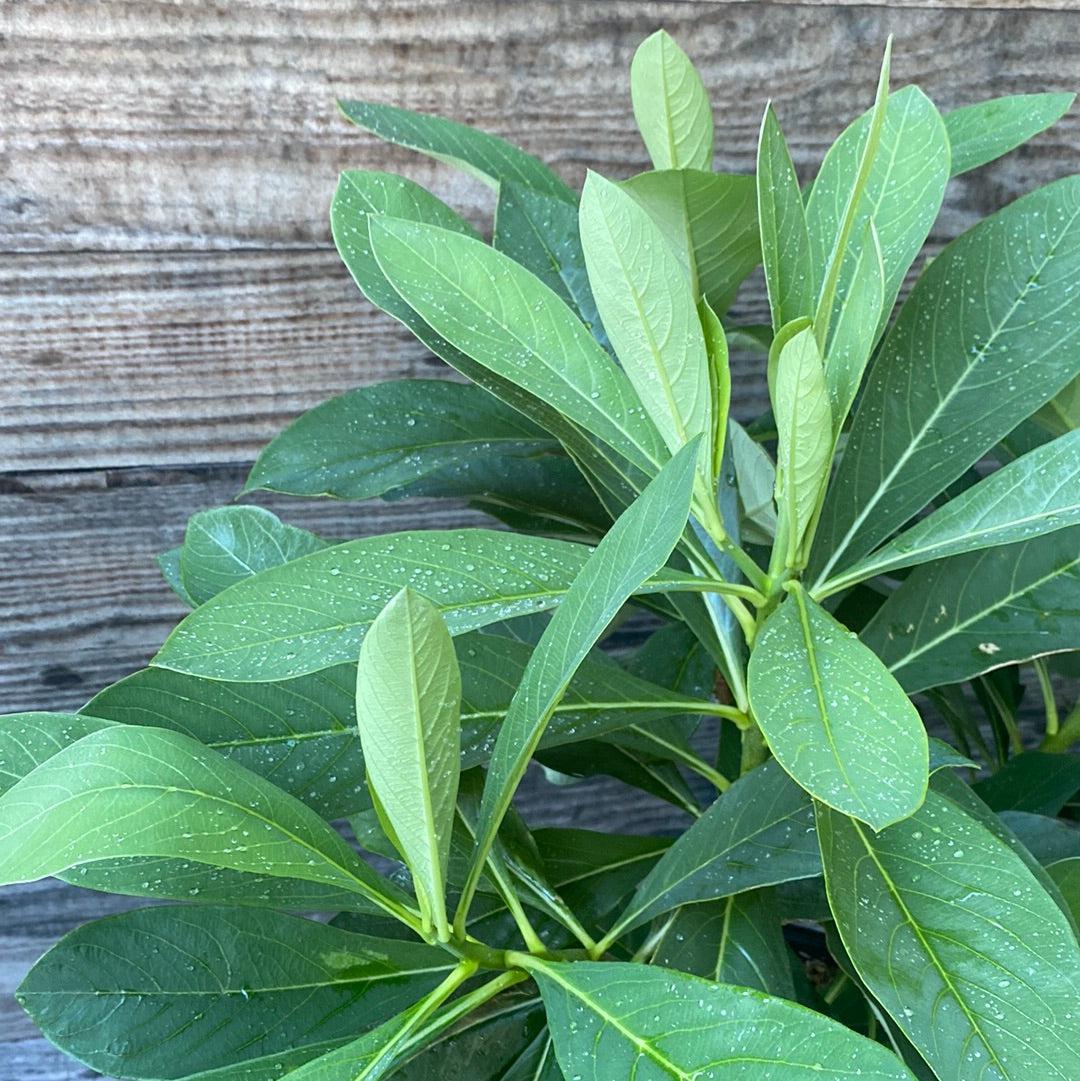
x,y
169,296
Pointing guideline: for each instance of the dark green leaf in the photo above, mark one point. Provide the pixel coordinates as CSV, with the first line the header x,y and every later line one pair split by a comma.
x,y
541,233
834,717
229,544
482,155
738,940
758,833
954,619
1035,782
1047,839
165,992
389,438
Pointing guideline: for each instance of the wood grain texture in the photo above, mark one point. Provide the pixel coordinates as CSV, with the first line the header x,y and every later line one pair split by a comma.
x,y
142,124
169,297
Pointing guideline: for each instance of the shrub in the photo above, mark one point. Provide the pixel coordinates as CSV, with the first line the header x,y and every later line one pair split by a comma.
x,y
804,575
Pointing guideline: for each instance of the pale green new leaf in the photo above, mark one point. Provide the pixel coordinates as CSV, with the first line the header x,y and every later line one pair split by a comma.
x,y
937,910
484,156
227,544
130,792
519,329
408,706
635,547
736,940
902,193
982,132
313,613
951,620
835,718
716,349
391,437
755,475
804,428
541,233
671,105
166,992
1035,494
790,272
758,833
626,1022
648,310
710,221
980,344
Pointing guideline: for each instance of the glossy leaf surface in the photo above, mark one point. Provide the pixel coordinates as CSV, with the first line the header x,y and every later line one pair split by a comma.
x,y
835,718
937,909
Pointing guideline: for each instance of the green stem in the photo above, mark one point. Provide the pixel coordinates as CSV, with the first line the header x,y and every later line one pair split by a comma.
x,y
651,944
832,993
754,750
1042,673
1067,734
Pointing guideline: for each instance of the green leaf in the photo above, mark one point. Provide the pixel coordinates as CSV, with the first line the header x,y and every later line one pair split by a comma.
x,y
126,791
1032,781
228,544
709,220
1047,839
1061,414
902,193
834,717
854,329
484,156
1066,876
755,476
408,708
758,833
671,105
169,564
737,940
389,438
716,349
958,942
636,547
299,733
985,131
28,739
785,242
594,871
1032,495
541,233
626,1022
362,195
649,312
523,331
951,620
168,991
314,612
978,345
804,437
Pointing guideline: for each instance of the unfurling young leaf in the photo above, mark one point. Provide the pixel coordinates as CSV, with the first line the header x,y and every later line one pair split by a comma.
x,y
408,709
671,105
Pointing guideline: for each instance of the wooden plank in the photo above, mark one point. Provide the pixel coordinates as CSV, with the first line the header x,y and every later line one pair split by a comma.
x,y
153,125
169,358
